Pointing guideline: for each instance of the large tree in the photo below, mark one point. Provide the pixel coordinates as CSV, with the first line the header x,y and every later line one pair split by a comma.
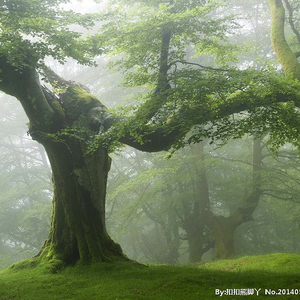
x,y
30,32
76,129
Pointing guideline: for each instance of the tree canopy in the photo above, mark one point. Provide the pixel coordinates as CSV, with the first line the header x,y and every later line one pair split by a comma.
x,y
31,31
168,47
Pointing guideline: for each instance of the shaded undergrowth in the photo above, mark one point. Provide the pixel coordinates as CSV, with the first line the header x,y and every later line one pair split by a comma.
x,y
277,272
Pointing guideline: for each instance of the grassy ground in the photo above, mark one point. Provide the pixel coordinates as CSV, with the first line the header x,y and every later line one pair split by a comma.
x,y
279,272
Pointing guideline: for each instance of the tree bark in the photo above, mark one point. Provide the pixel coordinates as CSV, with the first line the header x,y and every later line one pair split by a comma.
x,y
223,231
196,242
78,228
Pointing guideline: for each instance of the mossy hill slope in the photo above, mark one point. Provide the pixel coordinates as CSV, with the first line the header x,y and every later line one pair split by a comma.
x,y
277,272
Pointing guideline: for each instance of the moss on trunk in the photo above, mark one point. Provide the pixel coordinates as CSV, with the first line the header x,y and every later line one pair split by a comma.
x,y
223,231
195,243
78,228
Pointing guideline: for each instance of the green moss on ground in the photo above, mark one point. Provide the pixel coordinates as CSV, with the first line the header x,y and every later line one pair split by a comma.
x,y
126,280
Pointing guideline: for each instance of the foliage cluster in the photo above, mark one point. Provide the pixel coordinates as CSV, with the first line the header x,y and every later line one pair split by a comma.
x,y
31,31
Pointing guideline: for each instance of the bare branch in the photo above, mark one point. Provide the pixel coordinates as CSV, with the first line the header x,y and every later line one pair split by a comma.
x,y
198,65
291,198
291,20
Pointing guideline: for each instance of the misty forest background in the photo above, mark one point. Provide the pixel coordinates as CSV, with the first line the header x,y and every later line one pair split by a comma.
x,y
156,202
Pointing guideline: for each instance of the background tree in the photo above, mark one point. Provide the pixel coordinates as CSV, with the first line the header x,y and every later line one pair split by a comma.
x,y
25,188
172,186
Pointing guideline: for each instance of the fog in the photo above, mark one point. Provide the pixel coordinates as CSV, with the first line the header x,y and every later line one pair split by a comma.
x,y
160,207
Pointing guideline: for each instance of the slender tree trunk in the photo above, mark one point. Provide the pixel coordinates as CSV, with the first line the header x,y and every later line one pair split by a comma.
x,y
171,235
195,220
223,228
169,229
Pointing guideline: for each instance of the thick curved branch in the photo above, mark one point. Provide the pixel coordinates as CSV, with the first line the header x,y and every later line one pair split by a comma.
x,y
292,198
162,138
156,141
23,83
57,81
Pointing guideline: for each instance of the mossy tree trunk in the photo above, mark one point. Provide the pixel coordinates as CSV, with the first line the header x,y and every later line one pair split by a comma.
x,y
78,228
63,125
196,239
223,232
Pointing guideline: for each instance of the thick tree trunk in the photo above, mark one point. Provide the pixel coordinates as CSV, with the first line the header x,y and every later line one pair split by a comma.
x,y
195,241
78,230
199,243
223,231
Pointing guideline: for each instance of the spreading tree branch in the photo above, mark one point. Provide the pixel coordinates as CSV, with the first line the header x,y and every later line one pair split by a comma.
x,y
291,19
23,83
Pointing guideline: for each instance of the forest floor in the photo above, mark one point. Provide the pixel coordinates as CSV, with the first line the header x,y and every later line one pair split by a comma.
x,y
257,275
